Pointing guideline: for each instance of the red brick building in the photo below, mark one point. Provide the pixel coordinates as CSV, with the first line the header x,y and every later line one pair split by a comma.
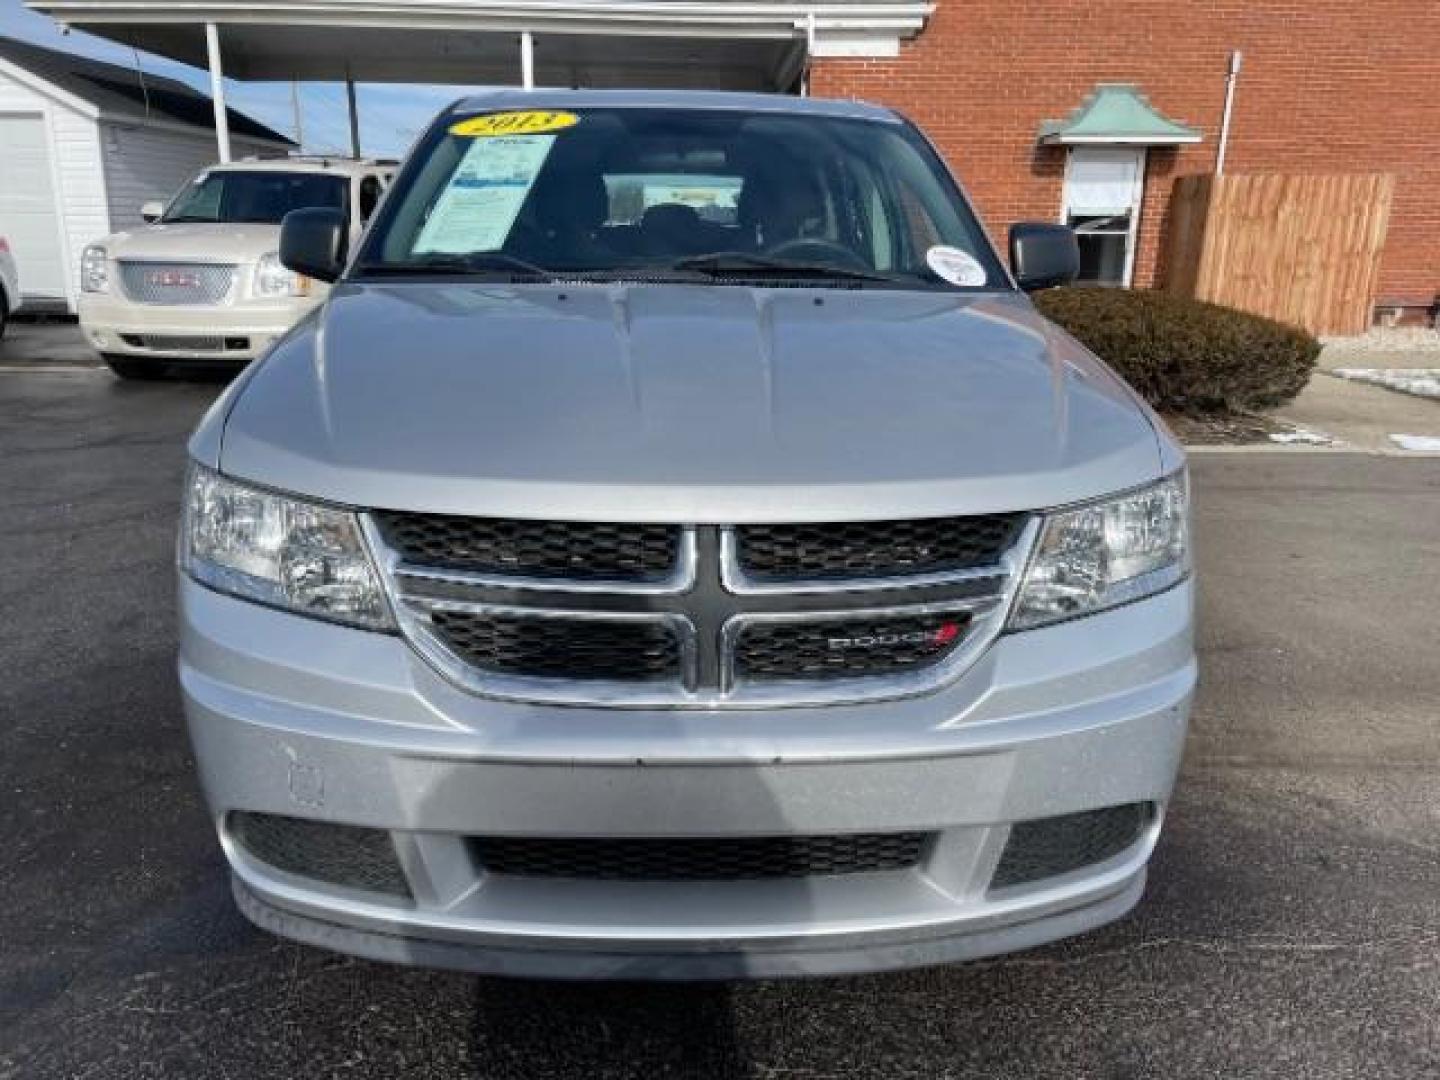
x,y
1325,86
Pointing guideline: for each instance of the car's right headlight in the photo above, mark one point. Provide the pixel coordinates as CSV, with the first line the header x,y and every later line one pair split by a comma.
x,y
273,278
279,550
94,275
1109,552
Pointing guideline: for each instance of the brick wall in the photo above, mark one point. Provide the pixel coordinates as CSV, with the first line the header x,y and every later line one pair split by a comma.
x,y
1327,86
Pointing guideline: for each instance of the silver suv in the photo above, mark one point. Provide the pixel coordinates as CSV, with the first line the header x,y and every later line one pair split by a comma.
x,y
203,280
677,548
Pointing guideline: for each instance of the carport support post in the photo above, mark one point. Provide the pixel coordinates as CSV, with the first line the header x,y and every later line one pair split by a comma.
x,y
527,60
217,91
354,116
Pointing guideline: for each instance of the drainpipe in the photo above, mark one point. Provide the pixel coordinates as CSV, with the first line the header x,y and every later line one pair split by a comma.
x,y
809,54
217,91
1230,79
527,60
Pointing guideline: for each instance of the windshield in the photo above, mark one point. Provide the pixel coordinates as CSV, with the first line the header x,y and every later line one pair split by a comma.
x,y
713,194
264,195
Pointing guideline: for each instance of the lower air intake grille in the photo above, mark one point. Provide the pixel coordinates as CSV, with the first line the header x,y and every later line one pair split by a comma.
x,y
846,648
555,647
584,551
860,549
337,854
1048,847
710,859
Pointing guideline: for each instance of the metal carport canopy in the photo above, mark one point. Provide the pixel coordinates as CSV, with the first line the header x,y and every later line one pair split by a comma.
x,y
722,44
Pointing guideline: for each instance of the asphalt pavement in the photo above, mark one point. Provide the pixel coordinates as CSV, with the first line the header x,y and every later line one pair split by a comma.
x,y
1291,929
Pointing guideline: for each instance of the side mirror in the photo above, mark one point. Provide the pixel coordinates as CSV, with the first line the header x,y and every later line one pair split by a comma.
x,y
1043,255
152,211
312,242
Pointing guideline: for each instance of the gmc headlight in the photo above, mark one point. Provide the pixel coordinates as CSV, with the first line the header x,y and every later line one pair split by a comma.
x,y
94,277
273,279
280,551
1109,552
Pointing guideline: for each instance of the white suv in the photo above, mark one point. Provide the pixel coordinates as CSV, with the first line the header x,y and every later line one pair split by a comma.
x,y
203,280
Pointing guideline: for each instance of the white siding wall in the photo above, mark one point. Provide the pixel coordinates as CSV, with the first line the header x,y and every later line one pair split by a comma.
x,y
144,163
75,160
84,216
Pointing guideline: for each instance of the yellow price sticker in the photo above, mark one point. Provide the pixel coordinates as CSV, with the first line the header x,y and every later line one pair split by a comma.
x,y
530,122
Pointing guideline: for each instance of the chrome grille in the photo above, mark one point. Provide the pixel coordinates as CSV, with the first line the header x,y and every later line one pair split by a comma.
x,y
175,342
666,616
176,283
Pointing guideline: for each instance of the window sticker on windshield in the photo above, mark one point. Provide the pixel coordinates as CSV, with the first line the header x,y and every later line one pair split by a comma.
x,y
530,122
955,266
478,207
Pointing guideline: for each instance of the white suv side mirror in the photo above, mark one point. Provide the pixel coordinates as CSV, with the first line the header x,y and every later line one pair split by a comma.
x,y
152,211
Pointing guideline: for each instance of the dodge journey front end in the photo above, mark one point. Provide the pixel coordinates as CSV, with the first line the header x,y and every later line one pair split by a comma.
x,y
677,548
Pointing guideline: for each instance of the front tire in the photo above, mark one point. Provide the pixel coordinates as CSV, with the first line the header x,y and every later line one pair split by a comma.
x,y
127,367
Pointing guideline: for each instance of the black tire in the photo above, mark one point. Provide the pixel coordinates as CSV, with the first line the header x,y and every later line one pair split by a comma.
x,y
128,367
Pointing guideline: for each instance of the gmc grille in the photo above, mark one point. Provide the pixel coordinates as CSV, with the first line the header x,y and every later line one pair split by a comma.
x,y
183,284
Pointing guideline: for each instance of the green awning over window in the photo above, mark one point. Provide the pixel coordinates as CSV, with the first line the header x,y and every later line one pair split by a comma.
x,y
1117,114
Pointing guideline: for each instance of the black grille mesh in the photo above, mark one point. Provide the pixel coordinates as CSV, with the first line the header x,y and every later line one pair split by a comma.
x,y
561,648
846,648
1047,847
860,549
587,551
707,859
338,854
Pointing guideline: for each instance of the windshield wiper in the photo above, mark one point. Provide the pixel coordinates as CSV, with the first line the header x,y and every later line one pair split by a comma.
x,y
479,262
725,263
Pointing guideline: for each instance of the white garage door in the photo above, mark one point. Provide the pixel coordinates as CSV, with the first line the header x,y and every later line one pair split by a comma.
x,y
29,218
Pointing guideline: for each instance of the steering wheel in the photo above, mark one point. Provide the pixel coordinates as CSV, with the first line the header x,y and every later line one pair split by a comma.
x,y
813,249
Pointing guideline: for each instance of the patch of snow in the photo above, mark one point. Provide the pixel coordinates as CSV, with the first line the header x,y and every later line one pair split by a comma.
x,y
1303,437
1430,444
1387,339
1422,382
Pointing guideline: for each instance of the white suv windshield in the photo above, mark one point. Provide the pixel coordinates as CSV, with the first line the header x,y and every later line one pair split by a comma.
x,y
624,190
264,195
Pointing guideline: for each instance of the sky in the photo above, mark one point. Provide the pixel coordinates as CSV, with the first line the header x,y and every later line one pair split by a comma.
x,y
390,115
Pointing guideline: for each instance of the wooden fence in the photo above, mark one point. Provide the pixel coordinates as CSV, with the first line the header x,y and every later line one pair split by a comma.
x,y
1301,249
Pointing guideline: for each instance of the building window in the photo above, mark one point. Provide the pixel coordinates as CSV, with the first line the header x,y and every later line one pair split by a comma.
x,y
1101,202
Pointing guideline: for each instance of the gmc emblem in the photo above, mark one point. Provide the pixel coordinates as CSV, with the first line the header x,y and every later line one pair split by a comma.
x,y
172,279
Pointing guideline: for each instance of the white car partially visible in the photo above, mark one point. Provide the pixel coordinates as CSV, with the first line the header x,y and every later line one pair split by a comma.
x,y
9,284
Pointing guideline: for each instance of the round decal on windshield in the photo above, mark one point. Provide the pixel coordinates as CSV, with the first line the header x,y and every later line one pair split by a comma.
x,y
955,266
529,122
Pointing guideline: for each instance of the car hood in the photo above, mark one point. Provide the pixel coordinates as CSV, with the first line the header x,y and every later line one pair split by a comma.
x,y
195,241
703,404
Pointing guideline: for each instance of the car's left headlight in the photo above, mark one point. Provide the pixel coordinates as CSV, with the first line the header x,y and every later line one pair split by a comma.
x,y
94,274
279,550
273,278
1092,557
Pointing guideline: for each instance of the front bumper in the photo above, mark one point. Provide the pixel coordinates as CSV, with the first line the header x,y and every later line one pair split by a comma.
x,y
223,332
298,718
